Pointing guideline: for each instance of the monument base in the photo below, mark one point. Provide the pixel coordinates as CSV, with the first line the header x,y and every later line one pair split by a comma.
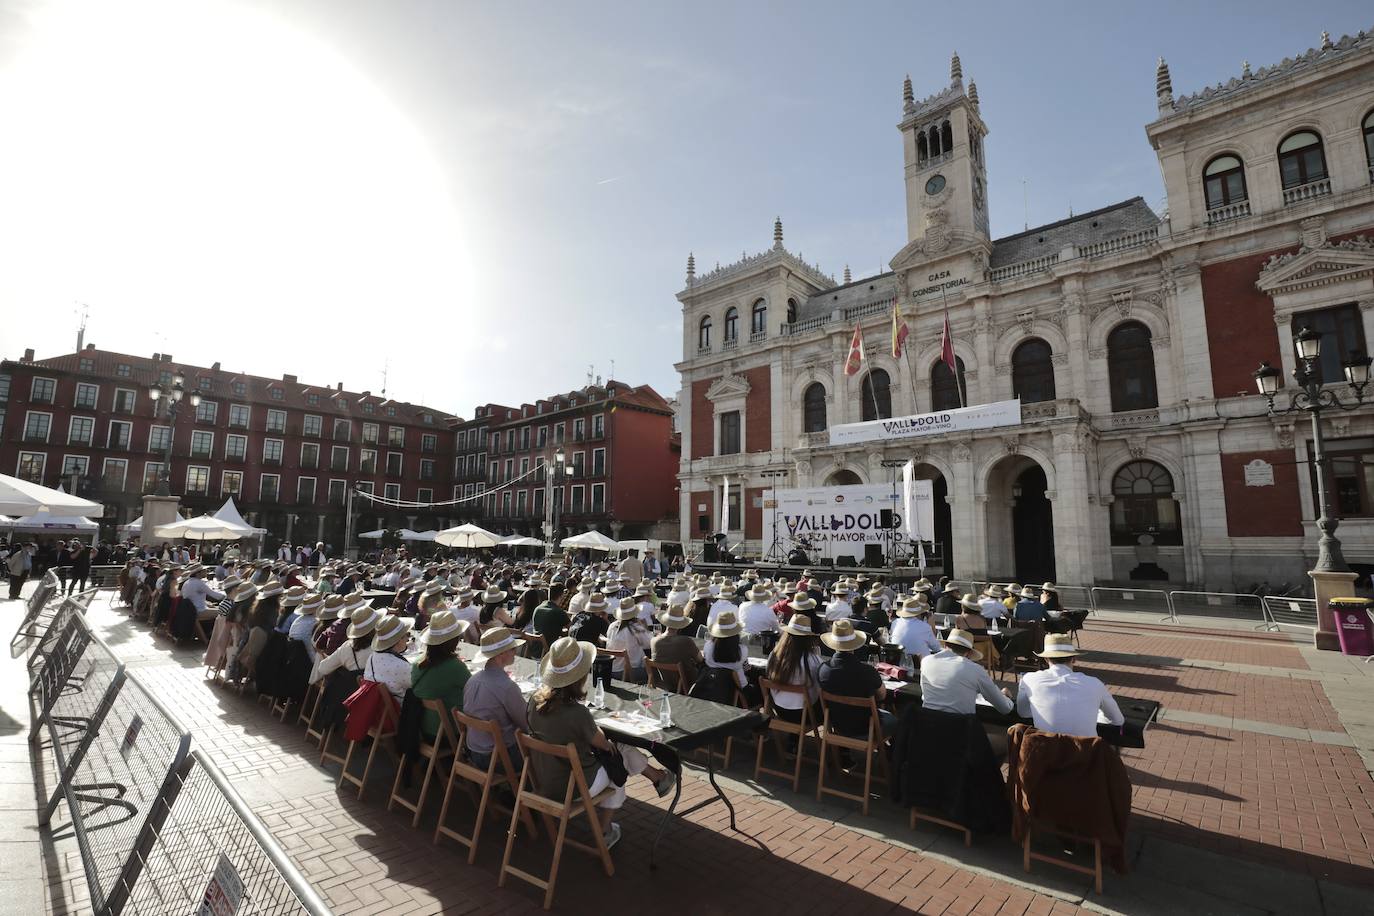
x,y
157,511
1328,585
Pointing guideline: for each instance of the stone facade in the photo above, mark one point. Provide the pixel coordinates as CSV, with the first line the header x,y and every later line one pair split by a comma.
x,y
1205,291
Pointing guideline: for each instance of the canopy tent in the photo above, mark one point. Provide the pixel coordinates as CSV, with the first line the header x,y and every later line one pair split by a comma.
x,y
5,520
407,535
230,513
21,497
47,521
374,535
467,535
516,540
640,545
204,528
589,540
135,528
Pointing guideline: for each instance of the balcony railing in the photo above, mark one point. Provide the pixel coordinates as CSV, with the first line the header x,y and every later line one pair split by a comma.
x,y
200,453
1305,192
1228,212
41,399
277,428
731,343
35,437
236,457
1024,268
704,351
758,336
268,460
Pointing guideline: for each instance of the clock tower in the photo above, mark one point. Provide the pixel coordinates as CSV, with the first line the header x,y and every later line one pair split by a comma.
x,y
946,184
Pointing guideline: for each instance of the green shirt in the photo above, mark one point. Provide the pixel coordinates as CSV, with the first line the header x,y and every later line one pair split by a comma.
x,y
550,621
445,682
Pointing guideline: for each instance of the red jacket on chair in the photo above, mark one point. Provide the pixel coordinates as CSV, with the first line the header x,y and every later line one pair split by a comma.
x,y
366,707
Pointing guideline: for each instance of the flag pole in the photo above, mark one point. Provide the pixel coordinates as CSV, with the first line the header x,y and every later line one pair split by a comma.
x,y
906,352
872,392
954,370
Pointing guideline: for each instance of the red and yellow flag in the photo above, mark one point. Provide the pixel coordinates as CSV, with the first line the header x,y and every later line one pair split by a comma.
x,y
854,361
899,332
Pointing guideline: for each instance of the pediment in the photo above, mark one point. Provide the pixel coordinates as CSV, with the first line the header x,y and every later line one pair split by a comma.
x,y
931,248
728,386
1321,266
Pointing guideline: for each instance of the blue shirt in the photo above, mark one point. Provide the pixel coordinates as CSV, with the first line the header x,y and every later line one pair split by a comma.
x,y
1029,609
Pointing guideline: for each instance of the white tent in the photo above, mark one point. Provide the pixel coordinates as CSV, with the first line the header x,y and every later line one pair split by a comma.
x,y
204,528
467,535
20,497
407,535
230,513
590,540
374,535
516,540
46,521
135,527
641,545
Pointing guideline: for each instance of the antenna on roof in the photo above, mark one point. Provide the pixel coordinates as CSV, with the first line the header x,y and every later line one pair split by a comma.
x,y
81,331
591,371
386,367
1025,205
612,375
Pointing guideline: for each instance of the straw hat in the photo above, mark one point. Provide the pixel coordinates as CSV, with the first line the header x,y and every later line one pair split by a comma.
x,y
495,641
195,569
922,585
912,607
875,594
842,636
435,587
362,621
332,605
294,596
270,589
1059,645
626,609
243,590
464,594
702,594
230,582
951,586
799,625
727,624
352,602
443,627
1029,592
597,602
566,662
970,601
311,605
493,595
674,618
643,590
964,639
995,591
390,631
840,589
802,602
1049,587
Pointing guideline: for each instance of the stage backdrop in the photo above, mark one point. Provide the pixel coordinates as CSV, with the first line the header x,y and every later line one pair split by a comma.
x,y
840,520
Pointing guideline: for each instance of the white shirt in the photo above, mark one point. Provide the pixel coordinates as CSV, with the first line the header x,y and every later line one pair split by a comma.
x,y
679,598
195,590
807,674
342,657
647,609
838,610
1066,701
301,629
634,641
756,616
391,671
915,636
741,679
951,683
578,602
468,612
717,609
992,608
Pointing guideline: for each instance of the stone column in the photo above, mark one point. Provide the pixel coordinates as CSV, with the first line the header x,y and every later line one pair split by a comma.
x,y
157,511
967,520
1328,585
1073,537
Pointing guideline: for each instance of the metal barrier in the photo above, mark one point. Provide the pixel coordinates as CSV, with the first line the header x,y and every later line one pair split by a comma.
x,y
1139,600
1229,605
1075,597
33,625
201,841
1280,611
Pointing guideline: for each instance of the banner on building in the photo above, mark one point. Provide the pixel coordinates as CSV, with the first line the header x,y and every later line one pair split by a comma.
x,y
839,521
962,419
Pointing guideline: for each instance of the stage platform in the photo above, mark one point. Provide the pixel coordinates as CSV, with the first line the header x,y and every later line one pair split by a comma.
x,y
825,573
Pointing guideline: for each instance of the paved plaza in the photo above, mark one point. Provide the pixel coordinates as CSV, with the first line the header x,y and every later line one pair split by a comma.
x,y
1253,795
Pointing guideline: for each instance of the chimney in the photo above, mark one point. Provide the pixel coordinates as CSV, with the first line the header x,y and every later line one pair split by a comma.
x,y
215,367
157,357
166,357
340,386
289,379
90,346
28,355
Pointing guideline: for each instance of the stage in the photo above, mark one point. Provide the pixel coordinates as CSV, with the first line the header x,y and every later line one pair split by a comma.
x,y
903,574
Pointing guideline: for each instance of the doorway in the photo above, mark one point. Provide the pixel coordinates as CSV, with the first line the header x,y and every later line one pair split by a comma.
x,y
1032,525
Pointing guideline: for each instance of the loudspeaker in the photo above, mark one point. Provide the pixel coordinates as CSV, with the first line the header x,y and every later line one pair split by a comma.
x,y
873,554
846,561
710,554
825,561
885,519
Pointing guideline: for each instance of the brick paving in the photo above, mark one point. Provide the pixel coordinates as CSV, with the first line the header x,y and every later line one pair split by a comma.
x,y
1282,803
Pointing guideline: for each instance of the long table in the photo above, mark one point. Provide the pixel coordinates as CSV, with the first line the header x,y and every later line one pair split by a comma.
x,y
695,724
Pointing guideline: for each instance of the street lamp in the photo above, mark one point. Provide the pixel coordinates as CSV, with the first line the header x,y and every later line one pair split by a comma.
x,y
1312,398
169,394
555,503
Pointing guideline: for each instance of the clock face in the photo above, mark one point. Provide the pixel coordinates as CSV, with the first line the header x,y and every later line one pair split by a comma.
x,y
935,185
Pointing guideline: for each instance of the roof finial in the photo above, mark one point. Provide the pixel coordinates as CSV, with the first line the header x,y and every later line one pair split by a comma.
x,y
777,232
1326,41
956,71
691,268
908,98
1245,70
1164,87
846,273
973,93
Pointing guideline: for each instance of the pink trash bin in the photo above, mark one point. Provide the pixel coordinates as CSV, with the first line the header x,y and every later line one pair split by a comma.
x,y
1353,628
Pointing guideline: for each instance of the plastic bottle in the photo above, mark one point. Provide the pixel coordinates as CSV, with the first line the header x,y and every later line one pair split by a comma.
x,y
599,695
665,714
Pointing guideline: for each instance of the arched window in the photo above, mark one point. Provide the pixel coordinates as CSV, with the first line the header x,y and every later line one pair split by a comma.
x,y
731,324
946,138
921,148
758,318
813,408
1223,182
934,142
1032,373
1143,503
944,392
704,333
1369,143
1301,159
877,396
1131,367
791,311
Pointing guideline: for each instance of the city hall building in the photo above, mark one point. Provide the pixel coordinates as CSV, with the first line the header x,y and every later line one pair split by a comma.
x,y
1130,337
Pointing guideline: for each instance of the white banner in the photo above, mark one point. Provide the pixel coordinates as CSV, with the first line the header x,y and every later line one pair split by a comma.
x,y
962,419
839,521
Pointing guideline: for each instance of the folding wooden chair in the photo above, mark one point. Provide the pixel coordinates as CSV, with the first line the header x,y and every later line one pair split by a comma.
x,y
576,801
778,726
985,645
499,772
437,753
308,705
1027,854
385,727
535,645
871,744
665,676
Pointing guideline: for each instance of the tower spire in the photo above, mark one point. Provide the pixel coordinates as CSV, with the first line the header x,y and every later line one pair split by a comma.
x,y
691,268
973,93
1164,87
956,70
777,232
846,273
908,97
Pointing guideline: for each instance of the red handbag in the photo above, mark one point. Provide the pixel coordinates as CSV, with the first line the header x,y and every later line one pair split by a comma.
x,y
365,706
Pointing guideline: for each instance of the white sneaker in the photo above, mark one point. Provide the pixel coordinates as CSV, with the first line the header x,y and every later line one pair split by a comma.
x,y
612,836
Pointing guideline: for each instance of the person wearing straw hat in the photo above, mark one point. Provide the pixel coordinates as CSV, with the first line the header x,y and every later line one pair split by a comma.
x,y
674,647
439,674
971,615
584,593
388,665
329,631
1029,608
839,607
723,651
845,674
756,613
722,603
1062,700
646,600
912,631
557,715
952,680
796,660
303,627
594,620
948,601
490,694
991,604
628,634
354,652
1049,597
1012,597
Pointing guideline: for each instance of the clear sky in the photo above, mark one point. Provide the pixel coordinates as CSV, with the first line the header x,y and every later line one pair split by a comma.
x,y
485,200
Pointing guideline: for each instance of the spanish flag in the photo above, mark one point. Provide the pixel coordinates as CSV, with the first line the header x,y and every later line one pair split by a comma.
x,y
899,332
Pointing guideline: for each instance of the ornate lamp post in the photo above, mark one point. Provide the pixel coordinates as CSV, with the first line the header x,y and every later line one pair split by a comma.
x,y
1312,398
555,502
169,396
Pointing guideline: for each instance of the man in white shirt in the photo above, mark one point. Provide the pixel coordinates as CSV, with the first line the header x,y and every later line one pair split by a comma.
x,y
680,593
195,590
578,604
911,629
644,597
722,604
839,606
284,553
1062,700
952,680
653,568
991,604
631,567
756,614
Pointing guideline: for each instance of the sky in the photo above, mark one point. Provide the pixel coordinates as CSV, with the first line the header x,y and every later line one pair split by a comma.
x,y
487,202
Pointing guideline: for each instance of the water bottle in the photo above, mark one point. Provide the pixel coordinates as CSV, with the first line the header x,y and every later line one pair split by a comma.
x,y
993,629
665,714
534,679
599,695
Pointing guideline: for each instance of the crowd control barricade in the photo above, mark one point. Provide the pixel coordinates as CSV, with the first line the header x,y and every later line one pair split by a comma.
x,y
201,842
1227,605
1134,600
1280,611
105,575
36,614
1074,597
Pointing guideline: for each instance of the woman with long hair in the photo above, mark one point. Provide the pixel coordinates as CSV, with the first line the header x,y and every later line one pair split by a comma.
x,y
796,661
628,634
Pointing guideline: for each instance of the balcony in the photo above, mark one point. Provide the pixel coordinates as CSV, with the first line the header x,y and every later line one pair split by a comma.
x,y
275,428
1228,212
704,351
30,436
41,399
237,424
758,336
1305,192
731,343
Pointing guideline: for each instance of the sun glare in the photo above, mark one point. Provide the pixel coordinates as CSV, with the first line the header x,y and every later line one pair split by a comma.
x,y
204,156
